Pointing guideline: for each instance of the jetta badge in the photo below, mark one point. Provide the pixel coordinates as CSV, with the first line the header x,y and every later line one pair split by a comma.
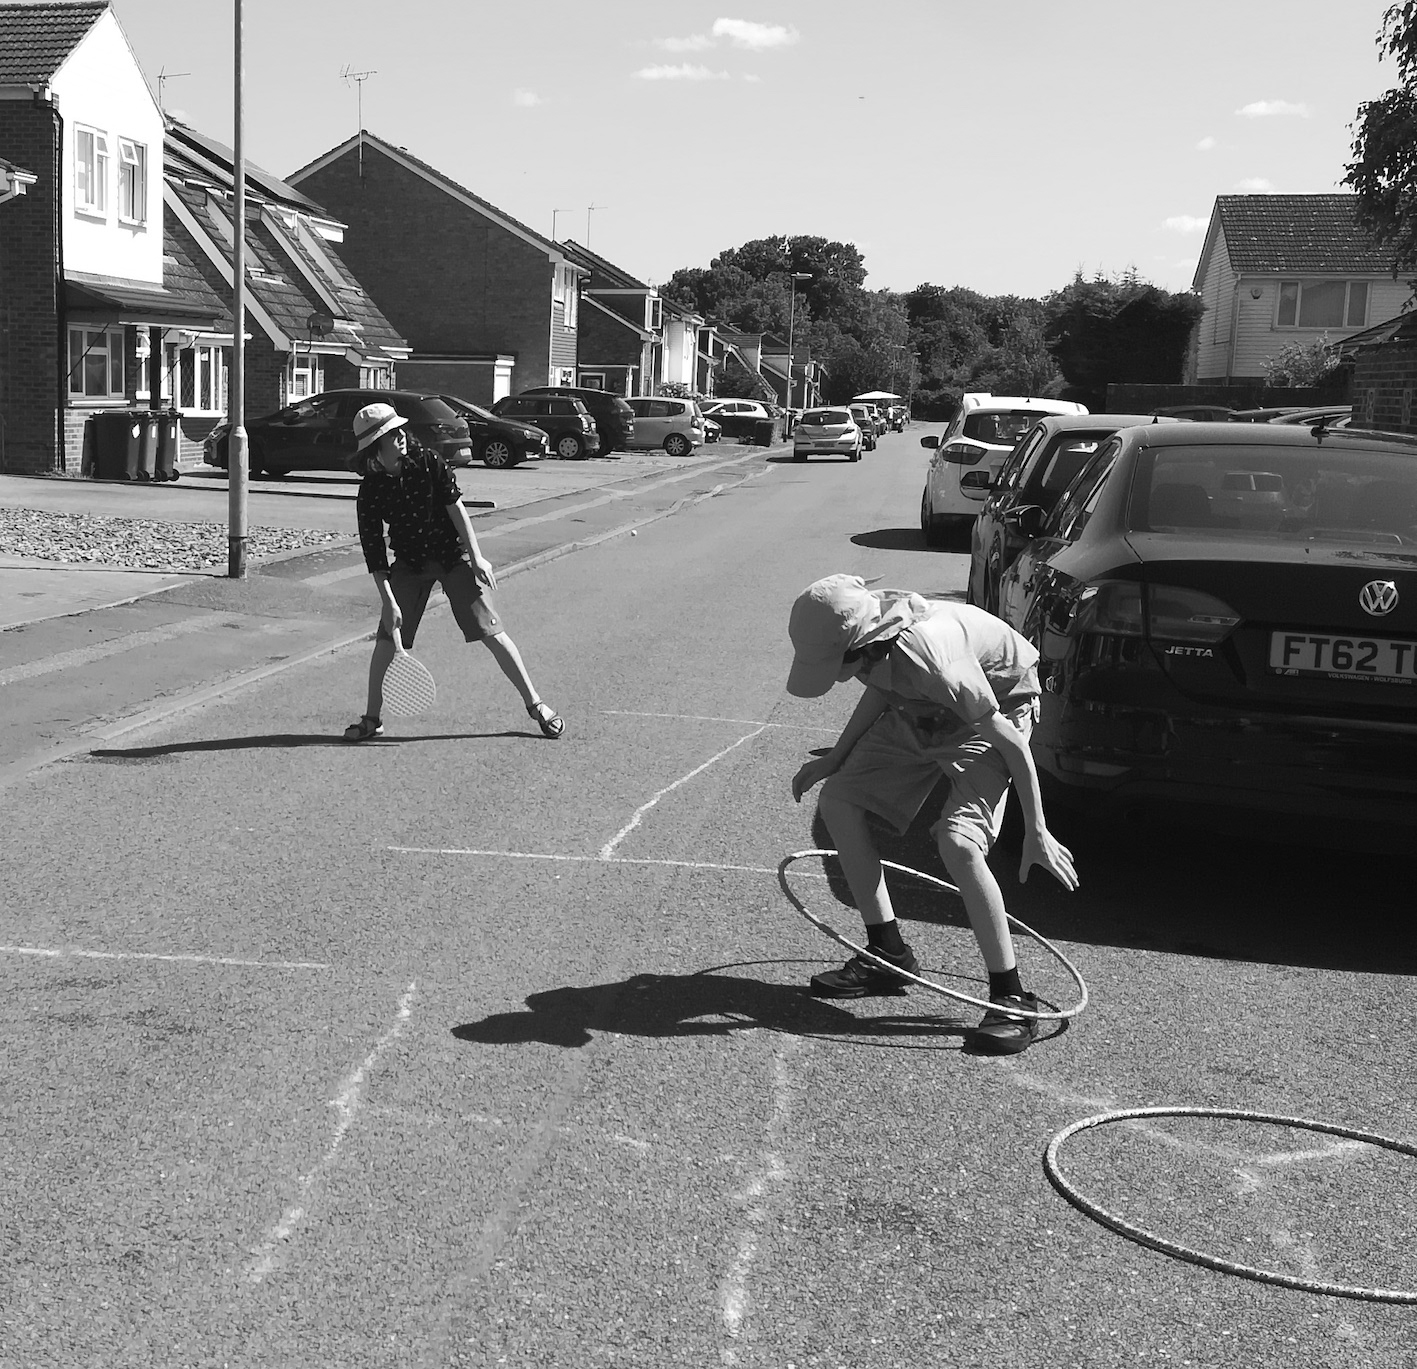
x,y
1378,597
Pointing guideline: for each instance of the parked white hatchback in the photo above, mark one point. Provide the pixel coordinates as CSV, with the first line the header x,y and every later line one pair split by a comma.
x,y
674,424
827,432
969,454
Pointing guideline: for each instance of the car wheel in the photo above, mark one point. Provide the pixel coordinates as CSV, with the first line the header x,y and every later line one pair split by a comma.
x,y
676,444
569,447
930,525
856,455
799,456
497,453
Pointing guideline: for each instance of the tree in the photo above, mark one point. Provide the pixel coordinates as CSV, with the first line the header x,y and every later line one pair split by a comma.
x,y
1104,332
1383,173
1301,363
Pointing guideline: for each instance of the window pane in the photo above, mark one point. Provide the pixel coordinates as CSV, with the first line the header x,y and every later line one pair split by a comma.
x,y
95,364
1357,303
1288,303
1321,304
76,352
115,369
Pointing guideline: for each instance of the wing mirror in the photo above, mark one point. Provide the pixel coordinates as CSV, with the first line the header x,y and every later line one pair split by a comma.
x,y
976,480
931,441
1026,519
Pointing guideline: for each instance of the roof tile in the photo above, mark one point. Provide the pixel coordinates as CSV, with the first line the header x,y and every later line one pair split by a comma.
x,y
36,39
1297,233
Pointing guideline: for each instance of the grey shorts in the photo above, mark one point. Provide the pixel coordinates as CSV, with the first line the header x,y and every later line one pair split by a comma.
x,y
891,773
468,597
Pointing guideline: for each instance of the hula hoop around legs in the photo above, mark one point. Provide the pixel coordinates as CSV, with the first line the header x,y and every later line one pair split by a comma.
x,y
1059,1015
1183,1252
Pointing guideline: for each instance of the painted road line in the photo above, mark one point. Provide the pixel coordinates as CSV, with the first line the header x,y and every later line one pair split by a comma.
x,y
67,660
594,860
700,718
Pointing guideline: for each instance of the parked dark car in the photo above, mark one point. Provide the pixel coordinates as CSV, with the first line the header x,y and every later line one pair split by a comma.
x,y
614,419
565,420
317,434
1210,648
1033,477
499,442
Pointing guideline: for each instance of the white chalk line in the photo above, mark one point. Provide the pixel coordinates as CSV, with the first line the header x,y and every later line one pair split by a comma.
x,y
587,860
608,849
64,952
734,1297
346,1105
701,718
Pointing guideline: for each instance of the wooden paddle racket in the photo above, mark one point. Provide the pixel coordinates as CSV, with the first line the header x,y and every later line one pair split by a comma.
x,y
408,686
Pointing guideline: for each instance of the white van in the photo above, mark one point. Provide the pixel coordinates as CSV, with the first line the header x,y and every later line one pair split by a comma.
x,y
968,456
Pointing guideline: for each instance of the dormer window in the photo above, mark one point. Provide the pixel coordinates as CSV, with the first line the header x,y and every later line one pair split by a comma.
x,y
132,181
90,171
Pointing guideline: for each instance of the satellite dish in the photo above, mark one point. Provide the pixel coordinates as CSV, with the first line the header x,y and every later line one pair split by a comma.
x,y
319,324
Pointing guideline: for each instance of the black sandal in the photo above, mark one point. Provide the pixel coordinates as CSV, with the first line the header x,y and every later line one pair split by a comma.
x,y
366,729
547,719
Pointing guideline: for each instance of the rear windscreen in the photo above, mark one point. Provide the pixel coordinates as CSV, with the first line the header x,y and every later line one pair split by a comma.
x,y
824,418
1000,430
431,409
1316,493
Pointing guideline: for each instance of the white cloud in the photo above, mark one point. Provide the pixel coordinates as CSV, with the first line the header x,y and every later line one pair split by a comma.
x,y
743,33
695,42
526,99
1255,185
749,76
1268,109
1186,223
683,72
1205,144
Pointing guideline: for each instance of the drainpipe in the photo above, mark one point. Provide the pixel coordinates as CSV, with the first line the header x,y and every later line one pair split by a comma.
x,y
61,397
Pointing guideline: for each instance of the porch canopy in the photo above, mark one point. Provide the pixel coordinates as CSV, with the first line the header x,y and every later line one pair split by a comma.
x,y
127,302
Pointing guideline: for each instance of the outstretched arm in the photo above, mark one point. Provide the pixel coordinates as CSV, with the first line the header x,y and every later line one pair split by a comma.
x,y
868,708
481,566
1040,847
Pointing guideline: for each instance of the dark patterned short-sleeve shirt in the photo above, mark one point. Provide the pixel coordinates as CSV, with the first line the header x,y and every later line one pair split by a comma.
x,y
414,505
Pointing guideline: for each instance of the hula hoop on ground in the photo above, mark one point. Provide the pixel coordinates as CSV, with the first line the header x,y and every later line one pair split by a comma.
x,y
1183,1252
1058,1015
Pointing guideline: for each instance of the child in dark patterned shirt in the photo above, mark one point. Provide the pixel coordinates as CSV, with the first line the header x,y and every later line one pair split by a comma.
x,y
412,490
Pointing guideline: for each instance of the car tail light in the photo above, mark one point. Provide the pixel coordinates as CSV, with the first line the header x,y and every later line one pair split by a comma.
x,y
1168,613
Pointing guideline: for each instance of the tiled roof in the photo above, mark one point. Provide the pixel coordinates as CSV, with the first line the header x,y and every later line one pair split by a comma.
x,y
194,154
403,154
1297,233
604,274
36,40
180,276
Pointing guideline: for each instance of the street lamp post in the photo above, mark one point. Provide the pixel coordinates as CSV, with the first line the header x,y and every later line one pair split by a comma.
x,y
237,468
791,322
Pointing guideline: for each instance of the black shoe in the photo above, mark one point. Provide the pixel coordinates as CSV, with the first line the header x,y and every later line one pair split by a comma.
x,y
859,977
1000,1033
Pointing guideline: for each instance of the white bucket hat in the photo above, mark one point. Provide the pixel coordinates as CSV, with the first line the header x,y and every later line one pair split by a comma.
x,y
372,422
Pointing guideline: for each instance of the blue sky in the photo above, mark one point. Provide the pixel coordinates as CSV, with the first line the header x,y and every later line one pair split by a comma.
x,y
999,146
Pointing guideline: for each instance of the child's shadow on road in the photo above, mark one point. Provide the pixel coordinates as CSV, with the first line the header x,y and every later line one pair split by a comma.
x,y
708,1003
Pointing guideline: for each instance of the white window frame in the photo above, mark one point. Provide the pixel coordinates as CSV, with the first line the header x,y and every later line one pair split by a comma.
x,y
90,171
132,182
306,377
1299,285
143,392
86,344
209,368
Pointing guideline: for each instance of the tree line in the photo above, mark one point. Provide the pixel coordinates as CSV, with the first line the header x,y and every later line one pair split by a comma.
x,y
934,343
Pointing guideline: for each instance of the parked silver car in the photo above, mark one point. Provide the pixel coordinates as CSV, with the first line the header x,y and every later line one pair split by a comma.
x,y
661,421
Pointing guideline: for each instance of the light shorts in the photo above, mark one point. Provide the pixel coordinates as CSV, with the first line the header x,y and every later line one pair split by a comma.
x,y
891,773
468,597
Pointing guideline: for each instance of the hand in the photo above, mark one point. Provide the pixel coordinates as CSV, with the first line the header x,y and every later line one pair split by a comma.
x,y
482,569
1042,848
814,772
393,619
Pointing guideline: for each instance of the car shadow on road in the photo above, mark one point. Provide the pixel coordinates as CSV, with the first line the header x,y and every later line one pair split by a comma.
x,y
291,740
710,1003
892,539
1161,884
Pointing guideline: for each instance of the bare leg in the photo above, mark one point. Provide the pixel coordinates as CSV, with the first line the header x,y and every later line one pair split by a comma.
x,y
983,899
504,652
378,664
860,861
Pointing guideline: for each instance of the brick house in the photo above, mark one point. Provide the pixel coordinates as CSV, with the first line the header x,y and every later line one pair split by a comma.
x,y
622,342
311,326
88,290
1277,269
488,305
1384,362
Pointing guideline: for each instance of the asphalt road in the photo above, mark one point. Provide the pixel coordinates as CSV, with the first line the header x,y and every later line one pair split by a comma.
x,y
467,1048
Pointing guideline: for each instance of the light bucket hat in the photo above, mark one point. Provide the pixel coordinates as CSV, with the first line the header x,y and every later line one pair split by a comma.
x,y
372,422
828,619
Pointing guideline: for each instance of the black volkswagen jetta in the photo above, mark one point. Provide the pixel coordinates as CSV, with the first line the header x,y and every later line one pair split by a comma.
x,y
1228,614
